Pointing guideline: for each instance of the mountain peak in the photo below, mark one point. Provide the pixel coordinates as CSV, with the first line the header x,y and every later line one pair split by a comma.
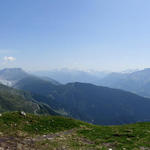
x,y
12,74
12,69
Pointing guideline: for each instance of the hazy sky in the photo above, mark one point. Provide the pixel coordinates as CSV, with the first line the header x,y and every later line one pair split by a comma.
x,y
84,34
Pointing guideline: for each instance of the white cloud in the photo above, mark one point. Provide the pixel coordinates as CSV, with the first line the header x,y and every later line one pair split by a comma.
x,y
9,58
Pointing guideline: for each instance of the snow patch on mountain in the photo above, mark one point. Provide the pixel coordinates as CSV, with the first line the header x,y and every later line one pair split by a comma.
x,y
6,82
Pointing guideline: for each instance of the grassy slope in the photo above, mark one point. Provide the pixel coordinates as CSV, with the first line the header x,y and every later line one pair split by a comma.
x,y
51,132
16,100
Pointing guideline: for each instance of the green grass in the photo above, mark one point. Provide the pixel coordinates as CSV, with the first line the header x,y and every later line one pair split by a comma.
x,y
125,136
80,135
35,124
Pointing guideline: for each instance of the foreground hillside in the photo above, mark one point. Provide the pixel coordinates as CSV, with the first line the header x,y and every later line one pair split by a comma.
x,y
51,132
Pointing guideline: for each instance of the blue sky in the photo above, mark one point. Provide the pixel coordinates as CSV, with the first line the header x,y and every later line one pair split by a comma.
x,y
81,34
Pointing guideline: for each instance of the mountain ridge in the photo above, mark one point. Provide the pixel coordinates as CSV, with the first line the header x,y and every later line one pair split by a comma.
x,y
137,82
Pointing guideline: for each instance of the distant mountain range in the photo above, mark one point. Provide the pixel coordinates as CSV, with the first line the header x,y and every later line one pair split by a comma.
x,y
137,82
69,75
84,101
11,76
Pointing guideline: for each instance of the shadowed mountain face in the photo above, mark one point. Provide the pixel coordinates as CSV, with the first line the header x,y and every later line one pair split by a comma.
x,y
90,103
137,82
102,105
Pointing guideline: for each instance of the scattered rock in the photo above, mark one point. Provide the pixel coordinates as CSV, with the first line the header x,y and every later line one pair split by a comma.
x,y
23,113
1,133
19,146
